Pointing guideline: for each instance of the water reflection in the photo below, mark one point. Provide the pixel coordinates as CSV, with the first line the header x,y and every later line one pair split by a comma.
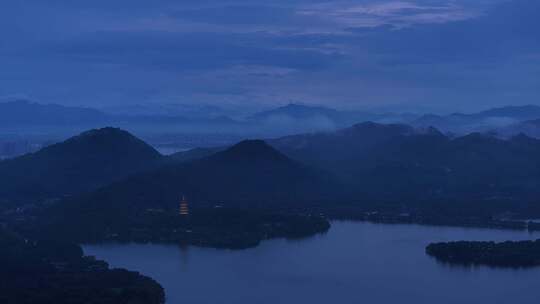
x,y
352,263
184,256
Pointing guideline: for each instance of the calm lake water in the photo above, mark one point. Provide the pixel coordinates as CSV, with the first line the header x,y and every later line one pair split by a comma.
x,y
352,263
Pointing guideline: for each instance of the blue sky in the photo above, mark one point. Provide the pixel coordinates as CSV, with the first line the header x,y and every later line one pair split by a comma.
x,y
410,55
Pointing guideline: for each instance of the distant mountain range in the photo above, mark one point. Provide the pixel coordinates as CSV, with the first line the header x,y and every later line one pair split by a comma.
x,y
398,162
292,118
391,161
288,119
367,162
248,174
250,170
106,184
530,128
193,111
303,118
24,113
479,122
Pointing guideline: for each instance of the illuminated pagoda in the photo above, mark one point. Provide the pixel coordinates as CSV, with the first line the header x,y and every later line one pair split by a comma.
x,y
184,206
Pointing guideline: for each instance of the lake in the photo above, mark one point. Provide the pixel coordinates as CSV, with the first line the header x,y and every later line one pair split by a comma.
x,y
353,263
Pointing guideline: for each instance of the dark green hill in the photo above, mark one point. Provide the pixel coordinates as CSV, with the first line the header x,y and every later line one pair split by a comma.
x,y
42,272
253,185
346,152
250,173
93,159
400,163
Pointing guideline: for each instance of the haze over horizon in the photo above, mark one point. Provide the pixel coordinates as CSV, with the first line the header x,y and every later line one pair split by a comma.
x,y
416,55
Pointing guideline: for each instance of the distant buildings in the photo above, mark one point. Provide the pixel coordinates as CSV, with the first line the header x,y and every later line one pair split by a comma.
x,y
184,207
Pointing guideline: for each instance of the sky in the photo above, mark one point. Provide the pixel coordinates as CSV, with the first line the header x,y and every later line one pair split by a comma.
x,y
410,55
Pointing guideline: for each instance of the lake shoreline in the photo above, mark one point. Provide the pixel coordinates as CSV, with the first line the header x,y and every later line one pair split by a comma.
x,y
383,261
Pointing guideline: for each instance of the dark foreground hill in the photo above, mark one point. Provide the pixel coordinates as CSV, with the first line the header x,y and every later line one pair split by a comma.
x,y
250,173
238,197
93,159
42,272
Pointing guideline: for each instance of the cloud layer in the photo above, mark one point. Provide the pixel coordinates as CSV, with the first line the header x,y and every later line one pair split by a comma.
x,y
414,54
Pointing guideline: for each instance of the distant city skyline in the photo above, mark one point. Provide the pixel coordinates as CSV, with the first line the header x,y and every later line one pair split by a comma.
x,y
416,55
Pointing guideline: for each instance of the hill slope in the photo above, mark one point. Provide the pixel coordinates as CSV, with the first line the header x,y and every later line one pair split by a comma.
x,y
345,152
252,182
399,162
250,173
94,158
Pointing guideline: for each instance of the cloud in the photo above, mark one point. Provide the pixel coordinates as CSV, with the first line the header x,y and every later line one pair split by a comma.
x,y
396,13
438,53
185,51
498,35
238,15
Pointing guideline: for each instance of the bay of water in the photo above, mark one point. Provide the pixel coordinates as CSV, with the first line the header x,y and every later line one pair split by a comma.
x,y
353,263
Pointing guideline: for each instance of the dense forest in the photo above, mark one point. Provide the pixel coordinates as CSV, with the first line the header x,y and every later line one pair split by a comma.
x,y
58,272
217,226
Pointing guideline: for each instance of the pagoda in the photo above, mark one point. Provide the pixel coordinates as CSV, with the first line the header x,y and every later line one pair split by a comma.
x,y
184,206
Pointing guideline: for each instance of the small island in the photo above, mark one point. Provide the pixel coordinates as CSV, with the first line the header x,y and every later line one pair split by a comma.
x,y
509,254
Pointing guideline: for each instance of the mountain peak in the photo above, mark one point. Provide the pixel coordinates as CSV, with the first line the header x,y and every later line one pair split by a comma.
x,y
84,162
296,110
109,137
300,106
107,131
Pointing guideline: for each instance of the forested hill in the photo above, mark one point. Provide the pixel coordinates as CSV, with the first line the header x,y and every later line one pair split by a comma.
x,y
399,162
249,174
43,272
82,163
237,197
